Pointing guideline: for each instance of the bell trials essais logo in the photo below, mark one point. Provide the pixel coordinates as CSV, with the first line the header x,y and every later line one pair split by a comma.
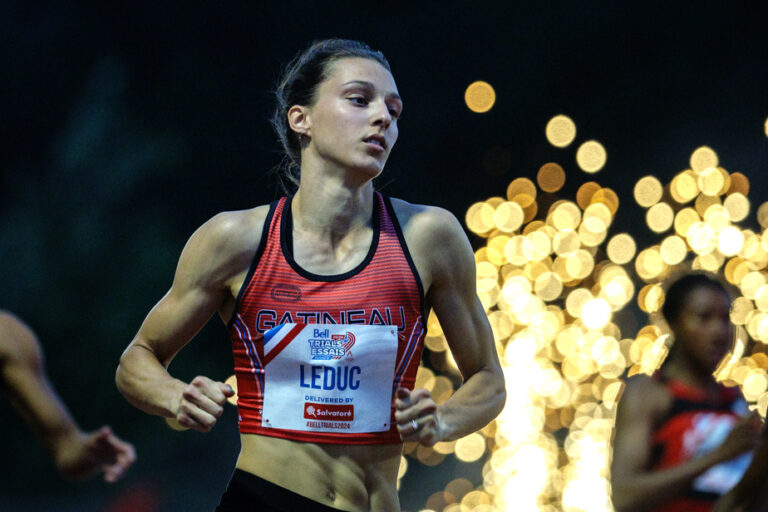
x,y
325,346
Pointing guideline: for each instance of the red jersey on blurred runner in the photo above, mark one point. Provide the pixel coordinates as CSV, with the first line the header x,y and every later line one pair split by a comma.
x,y
694,426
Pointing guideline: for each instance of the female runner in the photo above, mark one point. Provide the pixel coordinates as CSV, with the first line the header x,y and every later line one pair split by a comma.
x,y
325,294
679,434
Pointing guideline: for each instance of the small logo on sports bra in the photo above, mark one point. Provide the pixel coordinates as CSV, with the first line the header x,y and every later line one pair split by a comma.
x,y
286,293
329,412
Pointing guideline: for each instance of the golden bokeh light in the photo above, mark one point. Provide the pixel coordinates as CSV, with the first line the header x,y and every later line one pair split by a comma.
x,y
580,264
560,131
684,187
585,192
730,241
737,206
565,242
762,403
591,156
762,215
621,248
673,250
521,190
496,249
649,264
755,384
565,216
726,181
684,219
711,181
470,448
232,382
508,216
741,308
701,238
548,286
600,212
459,487
648,191
739,184
704,202
551,177
606,197
480,97
480,218
717,218
175,425
702,158
660,217
761,298
751,283
403,469
592,231
576,300
596,313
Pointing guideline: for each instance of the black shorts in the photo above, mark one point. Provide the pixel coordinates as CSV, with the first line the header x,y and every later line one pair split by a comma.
x,y
248,493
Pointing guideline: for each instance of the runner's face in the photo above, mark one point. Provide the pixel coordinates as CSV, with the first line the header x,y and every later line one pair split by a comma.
x,y
704,327
353,122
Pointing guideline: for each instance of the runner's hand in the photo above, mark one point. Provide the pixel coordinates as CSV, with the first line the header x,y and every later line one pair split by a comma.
x,y
743,438
201,403
97,451
416,416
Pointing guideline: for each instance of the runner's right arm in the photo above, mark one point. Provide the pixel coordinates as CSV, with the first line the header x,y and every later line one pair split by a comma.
x,y
77,454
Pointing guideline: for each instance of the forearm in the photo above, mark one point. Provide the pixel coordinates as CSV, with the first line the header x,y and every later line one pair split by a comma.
x,y
477,401
145,382
637,492
42,409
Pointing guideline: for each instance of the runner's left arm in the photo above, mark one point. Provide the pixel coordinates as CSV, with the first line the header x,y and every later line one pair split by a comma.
x,y
453,296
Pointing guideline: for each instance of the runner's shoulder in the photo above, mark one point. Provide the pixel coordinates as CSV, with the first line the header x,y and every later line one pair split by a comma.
x,y
17,341
228,237
431,222
648,394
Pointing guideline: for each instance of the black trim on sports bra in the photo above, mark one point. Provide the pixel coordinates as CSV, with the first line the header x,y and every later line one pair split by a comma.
x,y
256,258
286,243
407,254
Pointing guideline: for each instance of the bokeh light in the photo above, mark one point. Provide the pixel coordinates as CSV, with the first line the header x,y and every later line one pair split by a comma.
x,y
560,131
480,97
591,156
232,382
703,158
551,177
648,191
552,278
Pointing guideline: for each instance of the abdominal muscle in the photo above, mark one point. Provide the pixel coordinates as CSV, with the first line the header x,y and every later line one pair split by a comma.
x,y
346,477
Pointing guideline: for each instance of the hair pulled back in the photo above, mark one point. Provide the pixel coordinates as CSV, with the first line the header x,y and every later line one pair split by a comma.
x,y
298,86
680,290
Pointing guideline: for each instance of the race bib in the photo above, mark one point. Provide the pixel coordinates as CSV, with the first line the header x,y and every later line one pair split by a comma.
x,y
709,431
329,377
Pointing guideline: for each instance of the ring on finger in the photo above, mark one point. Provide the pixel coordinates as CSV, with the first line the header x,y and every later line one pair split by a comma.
x,y
414,425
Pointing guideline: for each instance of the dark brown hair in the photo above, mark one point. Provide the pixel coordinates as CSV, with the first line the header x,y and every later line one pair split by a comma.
x,y
679,292
298,86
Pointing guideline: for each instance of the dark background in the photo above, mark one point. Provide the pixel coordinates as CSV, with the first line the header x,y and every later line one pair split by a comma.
x,y
125,126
